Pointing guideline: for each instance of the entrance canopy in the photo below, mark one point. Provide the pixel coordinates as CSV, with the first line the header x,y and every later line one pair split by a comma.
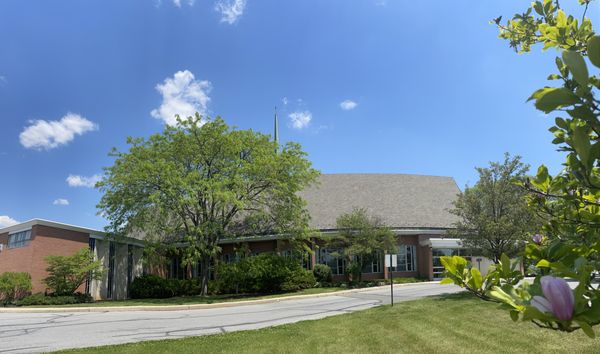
x,y
441,242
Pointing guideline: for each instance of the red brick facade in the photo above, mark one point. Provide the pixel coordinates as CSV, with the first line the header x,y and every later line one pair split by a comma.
x,y
45,241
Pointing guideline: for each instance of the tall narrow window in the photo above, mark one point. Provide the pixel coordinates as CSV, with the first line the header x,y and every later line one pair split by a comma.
x,y
129,267
111,270
88,282
336,264
406,259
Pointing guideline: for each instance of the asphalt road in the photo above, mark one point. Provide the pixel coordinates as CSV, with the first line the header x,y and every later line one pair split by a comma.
x,y
43,332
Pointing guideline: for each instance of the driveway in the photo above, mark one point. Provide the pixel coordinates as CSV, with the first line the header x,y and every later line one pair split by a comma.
x,y
42,332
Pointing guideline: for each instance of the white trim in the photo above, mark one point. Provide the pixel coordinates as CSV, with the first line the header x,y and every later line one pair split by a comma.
x,y
128,240
34,222
17,231
441,242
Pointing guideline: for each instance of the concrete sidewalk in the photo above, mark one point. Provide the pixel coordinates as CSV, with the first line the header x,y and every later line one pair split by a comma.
x,y
62,309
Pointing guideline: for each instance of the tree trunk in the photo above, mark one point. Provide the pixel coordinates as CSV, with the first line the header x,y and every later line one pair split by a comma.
x,y
204,273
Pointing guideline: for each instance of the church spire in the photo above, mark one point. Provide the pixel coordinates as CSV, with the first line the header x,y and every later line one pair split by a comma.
x,y
276,133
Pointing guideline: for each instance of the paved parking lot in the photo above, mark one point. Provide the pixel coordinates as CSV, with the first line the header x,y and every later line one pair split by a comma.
x,y
42,332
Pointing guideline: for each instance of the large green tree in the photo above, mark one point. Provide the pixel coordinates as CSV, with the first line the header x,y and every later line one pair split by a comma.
x,y
360,238
199,182
493,214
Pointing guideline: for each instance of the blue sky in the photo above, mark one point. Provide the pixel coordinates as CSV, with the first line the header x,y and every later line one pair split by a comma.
x,y
365,86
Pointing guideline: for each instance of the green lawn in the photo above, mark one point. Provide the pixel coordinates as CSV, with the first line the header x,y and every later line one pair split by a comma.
x,y
446,324
191,300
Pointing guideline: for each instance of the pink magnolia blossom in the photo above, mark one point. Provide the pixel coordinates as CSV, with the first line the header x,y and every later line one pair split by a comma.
x,y
558,298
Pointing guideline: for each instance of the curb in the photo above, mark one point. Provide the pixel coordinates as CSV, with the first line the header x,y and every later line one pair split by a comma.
x,y
195,306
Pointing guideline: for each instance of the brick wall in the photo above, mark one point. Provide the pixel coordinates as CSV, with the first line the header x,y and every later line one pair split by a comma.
x,y
45,241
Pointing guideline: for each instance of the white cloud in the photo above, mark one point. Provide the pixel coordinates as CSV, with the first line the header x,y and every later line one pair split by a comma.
x,y
82,181
6,221
183,95
48,135
348,105
178,2
3,80
284,101
231,10
60,201
300,119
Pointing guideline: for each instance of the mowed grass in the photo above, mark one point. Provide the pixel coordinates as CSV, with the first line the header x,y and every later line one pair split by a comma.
x,y
456,323
192,300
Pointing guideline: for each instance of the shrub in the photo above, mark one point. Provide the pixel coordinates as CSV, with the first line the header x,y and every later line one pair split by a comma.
x,y
68,273
14,286
322,273
265,273
41,299
151,286
298,280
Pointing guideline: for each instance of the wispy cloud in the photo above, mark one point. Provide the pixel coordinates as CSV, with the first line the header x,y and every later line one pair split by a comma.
x,y
3,80
60,201
48,135
177,3
82,181
230,10
300,119
6,221
348,105
182,94
284,101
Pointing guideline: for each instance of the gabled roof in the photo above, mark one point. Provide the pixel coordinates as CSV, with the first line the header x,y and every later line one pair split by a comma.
x,y
400,200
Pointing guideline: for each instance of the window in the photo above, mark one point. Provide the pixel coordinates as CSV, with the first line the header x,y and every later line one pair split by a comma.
x,y
406,259
129,267
303,257
88,283
372,263
19,239
111,270
336,264
437,253
177,271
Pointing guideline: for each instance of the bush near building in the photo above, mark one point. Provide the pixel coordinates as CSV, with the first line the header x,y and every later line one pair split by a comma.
x,y
66,274
44,300
264,273
14,286
323,273
154,287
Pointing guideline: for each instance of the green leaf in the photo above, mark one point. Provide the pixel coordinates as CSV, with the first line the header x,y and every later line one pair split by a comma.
x,y
514,315
587,329
548,99
561,123
477,279
543,264
581,144
593,50
505,264
582,112
447,281
577,65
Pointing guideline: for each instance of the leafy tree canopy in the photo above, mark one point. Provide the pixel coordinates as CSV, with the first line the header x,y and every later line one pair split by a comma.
x,y
360,238
199,182
494,216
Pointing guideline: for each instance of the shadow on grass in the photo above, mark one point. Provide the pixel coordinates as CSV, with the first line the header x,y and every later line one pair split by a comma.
x,y
454,297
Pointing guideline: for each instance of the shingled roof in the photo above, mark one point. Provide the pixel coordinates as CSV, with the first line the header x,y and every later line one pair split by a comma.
x,y
400,200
